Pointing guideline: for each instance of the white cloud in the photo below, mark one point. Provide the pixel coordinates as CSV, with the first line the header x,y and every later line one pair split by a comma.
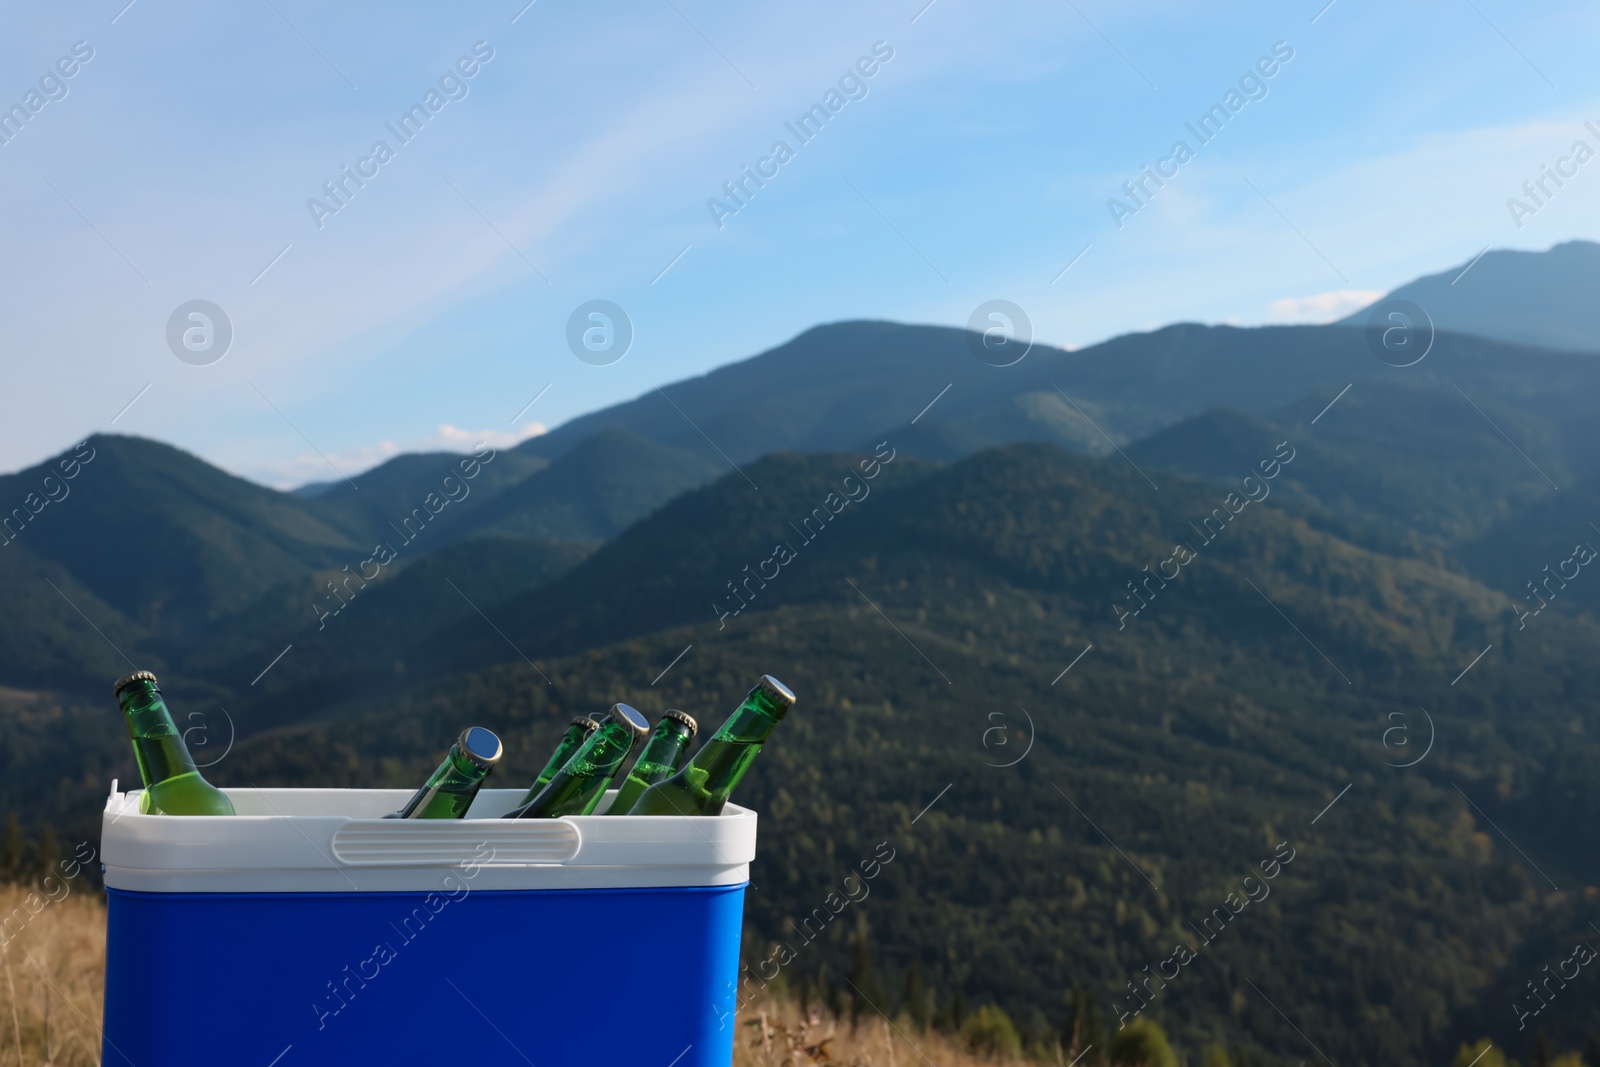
x,y
1319,308
313,466
454,439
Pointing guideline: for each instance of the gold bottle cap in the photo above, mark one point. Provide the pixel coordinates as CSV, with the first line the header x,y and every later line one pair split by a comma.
x,y
776,690
684,717
128,679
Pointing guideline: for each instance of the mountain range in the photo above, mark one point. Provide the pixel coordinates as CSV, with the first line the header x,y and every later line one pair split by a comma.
x,y
1087,638
1536,298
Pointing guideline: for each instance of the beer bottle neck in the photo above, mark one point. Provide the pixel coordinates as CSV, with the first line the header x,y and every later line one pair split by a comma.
x,y
724,759
449,791
751,722
157,744
571,741
603,752
664,748
582,782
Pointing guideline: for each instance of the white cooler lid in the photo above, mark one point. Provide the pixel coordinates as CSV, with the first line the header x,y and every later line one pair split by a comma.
x,y
337,841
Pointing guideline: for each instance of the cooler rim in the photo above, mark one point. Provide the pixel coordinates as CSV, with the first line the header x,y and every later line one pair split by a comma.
x,y
335,841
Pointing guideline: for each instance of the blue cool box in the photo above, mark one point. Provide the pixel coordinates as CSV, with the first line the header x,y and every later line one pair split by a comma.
x,y
308,931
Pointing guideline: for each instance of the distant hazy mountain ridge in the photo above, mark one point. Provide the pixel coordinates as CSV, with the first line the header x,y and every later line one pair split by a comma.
x,y
1537,298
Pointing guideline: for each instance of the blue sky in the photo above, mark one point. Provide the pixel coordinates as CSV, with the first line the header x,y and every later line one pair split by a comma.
x,y
577,162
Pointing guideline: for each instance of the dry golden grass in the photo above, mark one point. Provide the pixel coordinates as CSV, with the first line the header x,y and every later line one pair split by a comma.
x,y
52,976
774,1033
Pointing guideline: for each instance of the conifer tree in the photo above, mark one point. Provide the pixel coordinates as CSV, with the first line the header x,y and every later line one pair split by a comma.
x,y
1142,1043
1087,1026
47,853
13,849
958,1009
914,995
862,979
832,995
990,1031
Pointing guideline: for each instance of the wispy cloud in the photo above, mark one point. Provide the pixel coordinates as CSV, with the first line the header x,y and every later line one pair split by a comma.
x,y
1319,308
310,466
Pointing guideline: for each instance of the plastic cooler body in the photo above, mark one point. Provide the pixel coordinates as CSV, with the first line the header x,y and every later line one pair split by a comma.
x,y
307,931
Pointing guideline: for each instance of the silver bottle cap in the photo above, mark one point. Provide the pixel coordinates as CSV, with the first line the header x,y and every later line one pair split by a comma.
x,y
480,745
129,679
776,690
637,724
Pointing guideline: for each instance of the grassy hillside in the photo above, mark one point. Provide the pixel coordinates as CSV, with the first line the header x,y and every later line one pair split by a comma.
x,y
838,386
146,546
1404,468
1077,739
48,633
598,488
926,630
171,546
168,540
349,633
929,621
64,744
389,492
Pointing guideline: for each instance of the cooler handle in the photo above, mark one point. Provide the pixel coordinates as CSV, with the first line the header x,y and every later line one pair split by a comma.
x,y
474,842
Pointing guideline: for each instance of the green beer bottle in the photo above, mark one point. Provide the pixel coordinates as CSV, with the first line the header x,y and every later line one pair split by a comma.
x,y
578,787
662,756
449,791
577,733
702,788
172,784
